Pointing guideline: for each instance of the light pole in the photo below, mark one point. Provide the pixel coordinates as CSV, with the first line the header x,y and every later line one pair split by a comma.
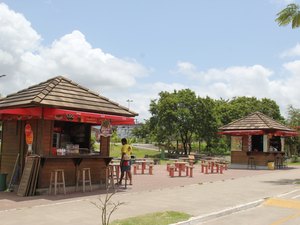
x,y
129,100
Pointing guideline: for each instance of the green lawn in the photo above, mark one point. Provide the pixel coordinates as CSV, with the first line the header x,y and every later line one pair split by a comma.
x,y
160,218
115,151
294,163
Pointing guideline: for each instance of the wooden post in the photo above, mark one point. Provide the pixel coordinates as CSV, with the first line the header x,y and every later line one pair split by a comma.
x,y
104,146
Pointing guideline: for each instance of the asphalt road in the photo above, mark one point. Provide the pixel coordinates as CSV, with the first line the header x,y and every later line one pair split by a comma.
x,y
283,209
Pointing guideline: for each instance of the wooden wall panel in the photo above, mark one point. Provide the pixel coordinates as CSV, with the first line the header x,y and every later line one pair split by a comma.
x,y
10,146
98,171
44,134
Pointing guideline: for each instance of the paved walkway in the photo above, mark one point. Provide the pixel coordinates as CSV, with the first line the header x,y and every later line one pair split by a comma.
x,y
197,196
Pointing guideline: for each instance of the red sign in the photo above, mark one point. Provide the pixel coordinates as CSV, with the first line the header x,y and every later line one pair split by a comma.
x,y
28,134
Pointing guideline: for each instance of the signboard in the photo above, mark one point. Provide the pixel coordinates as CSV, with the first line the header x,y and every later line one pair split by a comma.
x,y
106,129
29,137
236,143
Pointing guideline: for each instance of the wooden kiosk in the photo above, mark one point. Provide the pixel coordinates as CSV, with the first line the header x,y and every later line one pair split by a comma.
x,y
256,140
54,121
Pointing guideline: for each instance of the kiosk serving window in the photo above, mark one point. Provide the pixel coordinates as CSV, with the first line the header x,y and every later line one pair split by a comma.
x,y
71,136
257,142
275,144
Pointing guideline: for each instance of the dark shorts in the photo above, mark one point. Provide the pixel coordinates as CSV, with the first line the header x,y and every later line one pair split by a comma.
x,y
125,165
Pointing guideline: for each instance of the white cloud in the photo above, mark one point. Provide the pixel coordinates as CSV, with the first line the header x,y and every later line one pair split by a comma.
x,y
249,81
295,51
26,61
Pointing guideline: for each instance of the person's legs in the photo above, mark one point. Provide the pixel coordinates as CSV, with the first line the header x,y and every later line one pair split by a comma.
x,y
130,177
121,177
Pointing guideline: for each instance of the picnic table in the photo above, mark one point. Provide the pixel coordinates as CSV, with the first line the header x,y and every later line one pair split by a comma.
x,y
180,167
143,165
213,165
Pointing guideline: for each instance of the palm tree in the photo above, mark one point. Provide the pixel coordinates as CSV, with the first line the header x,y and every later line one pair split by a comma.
x,y
290,14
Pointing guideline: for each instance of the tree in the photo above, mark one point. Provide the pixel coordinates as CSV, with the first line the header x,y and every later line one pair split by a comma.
x,y
173,117
143,131
182,116
238,107
290,14
293,120
206,122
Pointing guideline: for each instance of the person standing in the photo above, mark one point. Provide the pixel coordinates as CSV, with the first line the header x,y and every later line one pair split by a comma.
x,y
126,152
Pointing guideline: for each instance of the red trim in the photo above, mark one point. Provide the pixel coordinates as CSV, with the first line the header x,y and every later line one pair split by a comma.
x,y
23,111
85,117
64,115
20,113
242,132
286,133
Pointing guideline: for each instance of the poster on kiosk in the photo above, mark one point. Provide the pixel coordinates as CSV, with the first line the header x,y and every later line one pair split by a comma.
x,y
29,138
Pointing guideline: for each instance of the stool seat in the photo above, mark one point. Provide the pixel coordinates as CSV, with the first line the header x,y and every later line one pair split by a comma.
x,y
278,162
251,163
57,179
83,177
113,175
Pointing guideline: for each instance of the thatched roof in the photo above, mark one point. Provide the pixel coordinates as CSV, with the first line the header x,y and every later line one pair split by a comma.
x,y
255,121
60,92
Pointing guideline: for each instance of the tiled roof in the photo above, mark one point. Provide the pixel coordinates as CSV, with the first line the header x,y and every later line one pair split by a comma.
x,y
255,121
60,92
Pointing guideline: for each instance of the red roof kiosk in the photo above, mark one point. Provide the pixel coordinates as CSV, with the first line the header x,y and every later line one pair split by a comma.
x,y
256,140
53,120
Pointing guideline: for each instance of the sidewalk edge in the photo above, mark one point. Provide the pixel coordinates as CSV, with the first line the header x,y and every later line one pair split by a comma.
x,y
209,216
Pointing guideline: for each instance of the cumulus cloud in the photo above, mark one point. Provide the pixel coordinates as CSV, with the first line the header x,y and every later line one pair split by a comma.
x,y
26,61
248,81
295,51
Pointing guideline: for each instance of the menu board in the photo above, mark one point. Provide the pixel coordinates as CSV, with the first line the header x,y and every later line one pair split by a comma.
x,y
236,143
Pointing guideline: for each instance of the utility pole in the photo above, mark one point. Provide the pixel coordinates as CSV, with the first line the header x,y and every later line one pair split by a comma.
x,y
129,100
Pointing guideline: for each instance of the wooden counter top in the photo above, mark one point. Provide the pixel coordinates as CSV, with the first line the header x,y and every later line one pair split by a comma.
x,y
77,158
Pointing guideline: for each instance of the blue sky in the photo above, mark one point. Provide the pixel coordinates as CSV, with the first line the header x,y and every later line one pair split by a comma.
x,y
135,49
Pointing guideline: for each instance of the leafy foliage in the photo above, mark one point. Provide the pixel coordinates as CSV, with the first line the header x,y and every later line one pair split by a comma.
x,y
293,120
290,14
178,116
183,117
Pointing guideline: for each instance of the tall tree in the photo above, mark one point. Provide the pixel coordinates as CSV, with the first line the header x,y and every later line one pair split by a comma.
x,y
290,14
293,120
238,107
174,117
206,122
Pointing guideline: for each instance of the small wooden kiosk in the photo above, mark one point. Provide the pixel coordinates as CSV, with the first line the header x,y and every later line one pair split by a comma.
x,y
54,120
258,138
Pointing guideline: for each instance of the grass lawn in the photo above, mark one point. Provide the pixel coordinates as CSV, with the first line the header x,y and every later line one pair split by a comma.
x,y
115,151
160,218
294,163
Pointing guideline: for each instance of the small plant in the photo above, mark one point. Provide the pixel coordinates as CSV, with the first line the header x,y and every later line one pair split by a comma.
x,y
107,207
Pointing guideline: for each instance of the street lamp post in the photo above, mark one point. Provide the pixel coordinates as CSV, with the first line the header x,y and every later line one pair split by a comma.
x,y
129,100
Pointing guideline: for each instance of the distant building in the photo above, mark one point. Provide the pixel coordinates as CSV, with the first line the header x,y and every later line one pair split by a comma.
x,y
125,131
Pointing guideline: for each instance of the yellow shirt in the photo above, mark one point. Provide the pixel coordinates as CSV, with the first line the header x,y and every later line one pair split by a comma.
x,y
126,149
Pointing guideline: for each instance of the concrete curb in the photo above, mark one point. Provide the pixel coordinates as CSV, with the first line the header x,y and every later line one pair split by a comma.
x,y
210,216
